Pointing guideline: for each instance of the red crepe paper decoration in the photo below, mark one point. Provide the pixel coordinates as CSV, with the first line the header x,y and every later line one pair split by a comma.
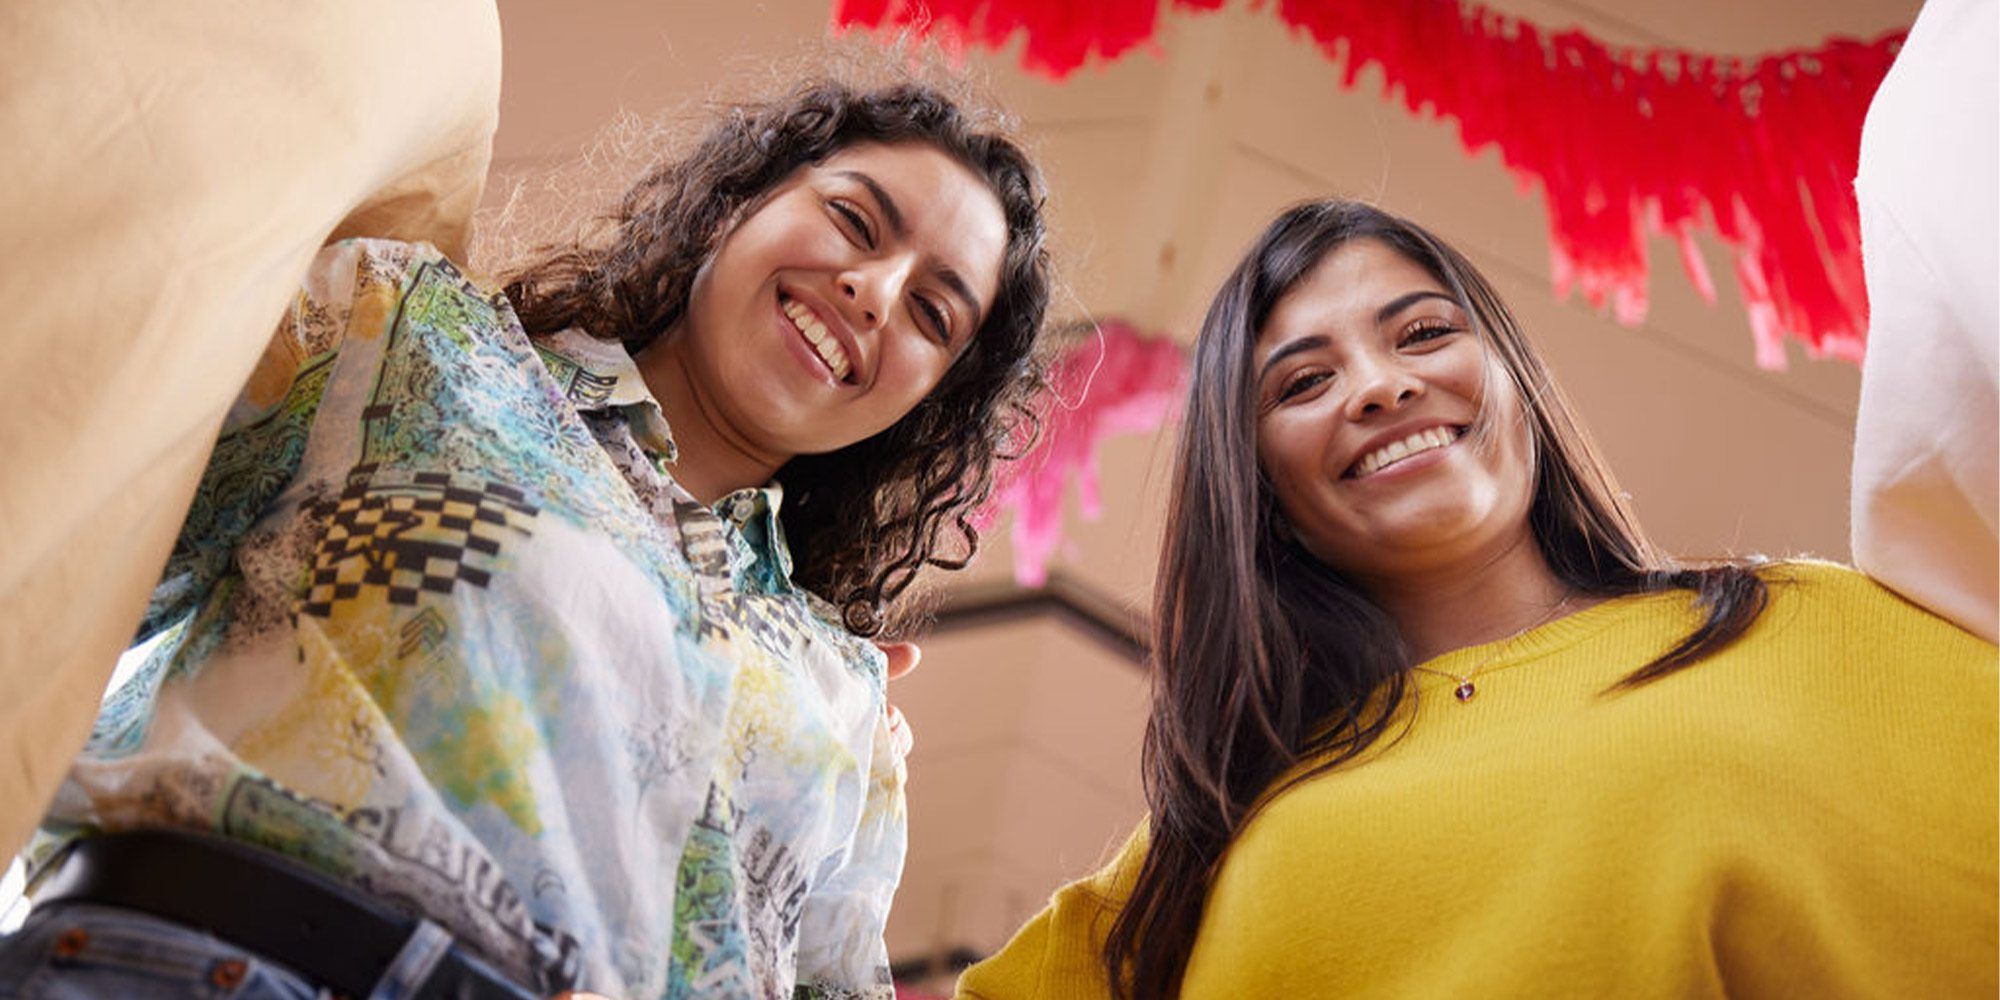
x,y
1062,34
1622,142
1116,381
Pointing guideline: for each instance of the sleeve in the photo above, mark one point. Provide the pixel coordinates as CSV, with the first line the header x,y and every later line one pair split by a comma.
x,y
181,164
1926,468
263,436
1057,955
842,952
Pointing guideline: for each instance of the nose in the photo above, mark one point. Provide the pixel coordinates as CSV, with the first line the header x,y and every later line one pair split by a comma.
x,y
851,289
869,291
1381,386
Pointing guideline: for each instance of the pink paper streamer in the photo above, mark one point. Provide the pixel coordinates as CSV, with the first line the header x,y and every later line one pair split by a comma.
x,y
1115,382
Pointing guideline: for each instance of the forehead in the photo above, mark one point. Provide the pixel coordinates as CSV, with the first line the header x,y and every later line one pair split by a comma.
x,y
950,212
1344,291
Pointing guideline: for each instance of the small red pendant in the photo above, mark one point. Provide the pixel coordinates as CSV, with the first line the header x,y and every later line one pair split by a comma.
x,y
1465,691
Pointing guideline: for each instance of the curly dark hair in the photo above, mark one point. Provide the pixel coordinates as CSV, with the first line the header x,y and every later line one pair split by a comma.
x,y
863,521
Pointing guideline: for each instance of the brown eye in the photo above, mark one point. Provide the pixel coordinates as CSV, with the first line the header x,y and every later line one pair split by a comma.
x,y
939,322
1301,384
1426,330
856,222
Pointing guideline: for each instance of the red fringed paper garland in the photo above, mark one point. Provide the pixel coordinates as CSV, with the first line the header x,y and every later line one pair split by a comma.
x,y
1622,142
1625,142
1116,381
1062,34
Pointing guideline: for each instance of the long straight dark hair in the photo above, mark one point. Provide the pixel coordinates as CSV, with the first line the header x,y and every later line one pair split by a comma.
x,y
1264,656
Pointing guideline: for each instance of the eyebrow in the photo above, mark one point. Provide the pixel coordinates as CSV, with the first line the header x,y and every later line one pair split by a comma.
x,y
894,213
889,207
1396,305
1402,302
1291,347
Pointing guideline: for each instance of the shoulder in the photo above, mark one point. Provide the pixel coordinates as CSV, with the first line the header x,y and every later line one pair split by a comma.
x,y
353,268
1111,885
343,263
1057,954
355,281
366,284
1822,583
349,291
860,653
1814,602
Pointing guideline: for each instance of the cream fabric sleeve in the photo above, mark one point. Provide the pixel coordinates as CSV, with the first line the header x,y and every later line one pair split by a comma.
x,y
1927,435
169,171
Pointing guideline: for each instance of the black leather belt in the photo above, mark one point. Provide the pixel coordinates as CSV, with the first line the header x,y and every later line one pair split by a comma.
x,y
255,899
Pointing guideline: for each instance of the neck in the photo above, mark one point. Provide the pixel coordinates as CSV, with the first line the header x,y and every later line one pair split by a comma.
x,y
714,458
1450,607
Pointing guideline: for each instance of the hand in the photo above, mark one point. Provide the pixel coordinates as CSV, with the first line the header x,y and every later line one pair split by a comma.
x,y
903,657
900,738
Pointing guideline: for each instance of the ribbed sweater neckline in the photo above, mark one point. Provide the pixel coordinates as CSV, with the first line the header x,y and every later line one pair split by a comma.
x,y
1536,643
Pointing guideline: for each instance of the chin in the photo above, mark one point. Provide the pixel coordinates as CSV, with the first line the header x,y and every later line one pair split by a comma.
x,y
806,434
1387,548
1431,524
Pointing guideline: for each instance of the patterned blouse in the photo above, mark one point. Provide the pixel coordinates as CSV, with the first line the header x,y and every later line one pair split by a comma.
x,y
442,624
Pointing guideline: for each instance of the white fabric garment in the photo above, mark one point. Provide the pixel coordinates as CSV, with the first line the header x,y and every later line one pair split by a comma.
x,y
1925,473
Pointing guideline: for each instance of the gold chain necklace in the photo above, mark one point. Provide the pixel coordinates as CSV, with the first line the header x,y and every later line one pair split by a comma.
x,y
1466,689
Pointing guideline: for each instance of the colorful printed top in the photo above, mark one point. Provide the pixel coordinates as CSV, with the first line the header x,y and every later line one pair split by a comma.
x,y
442,623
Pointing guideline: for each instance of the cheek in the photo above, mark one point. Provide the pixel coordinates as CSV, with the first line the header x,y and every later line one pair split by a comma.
x,y
910,372
749,254
1511,460
712,293
1502,408
1271,462
1290,472
1522,471
1290,452
701,289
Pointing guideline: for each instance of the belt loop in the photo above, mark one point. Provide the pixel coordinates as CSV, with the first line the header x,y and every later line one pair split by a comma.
x,y
414,964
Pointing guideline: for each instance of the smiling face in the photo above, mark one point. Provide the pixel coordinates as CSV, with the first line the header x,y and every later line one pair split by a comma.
x,y
1368,378
836,305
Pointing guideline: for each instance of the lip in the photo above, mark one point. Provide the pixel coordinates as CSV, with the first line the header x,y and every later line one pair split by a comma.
x,y
829,318
1414,463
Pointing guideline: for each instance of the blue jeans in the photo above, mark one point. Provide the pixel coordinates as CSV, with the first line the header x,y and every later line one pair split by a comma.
x,y
79,951
76,951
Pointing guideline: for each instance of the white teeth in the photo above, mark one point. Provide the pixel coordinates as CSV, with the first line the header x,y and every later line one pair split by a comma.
x,y
824,343
1396,451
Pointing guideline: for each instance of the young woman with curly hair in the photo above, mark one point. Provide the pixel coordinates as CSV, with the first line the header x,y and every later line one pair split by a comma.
x,y
518,641
1432,717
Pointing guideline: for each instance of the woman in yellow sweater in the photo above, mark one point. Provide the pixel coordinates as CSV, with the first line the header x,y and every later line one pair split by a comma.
x,y
1432,718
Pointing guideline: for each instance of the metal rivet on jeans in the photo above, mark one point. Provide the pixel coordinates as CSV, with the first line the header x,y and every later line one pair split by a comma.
x,y
228,973
72,942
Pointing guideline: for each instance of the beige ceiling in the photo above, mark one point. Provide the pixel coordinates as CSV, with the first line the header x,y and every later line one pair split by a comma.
x,y
1163,167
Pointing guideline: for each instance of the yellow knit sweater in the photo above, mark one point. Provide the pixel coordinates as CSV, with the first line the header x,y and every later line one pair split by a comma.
x,y
1809,813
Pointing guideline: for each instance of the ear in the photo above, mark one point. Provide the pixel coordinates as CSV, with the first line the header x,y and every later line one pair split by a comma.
x,y
903,657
